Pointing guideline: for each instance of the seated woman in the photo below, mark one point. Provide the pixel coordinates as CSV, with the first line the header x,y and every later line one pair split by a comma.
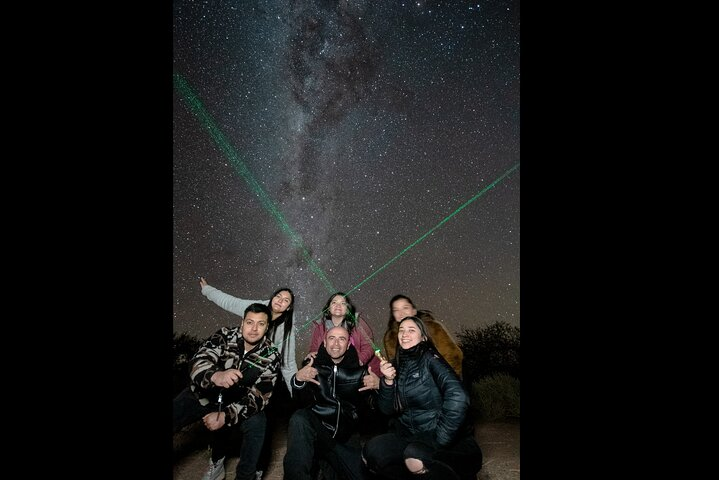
x,y
430,436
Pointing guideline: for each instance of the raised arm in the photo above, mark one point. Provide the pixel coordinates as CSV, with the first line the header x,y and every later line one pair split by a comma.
x,y
225,300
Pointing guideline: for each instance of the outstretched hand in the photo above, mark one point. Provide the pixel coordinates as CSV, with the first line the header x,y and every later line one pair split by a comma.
x,y
307,373
203,282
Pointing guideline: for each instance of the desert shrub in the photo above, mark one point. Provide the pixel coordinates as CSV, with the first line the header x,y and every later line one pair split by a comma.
x,y
184,346
495,397
489,350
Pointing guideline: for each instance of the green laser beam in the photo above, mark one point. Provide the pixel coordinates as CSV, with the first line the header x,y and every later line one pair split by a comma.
x,y
416,242
444,220
216,134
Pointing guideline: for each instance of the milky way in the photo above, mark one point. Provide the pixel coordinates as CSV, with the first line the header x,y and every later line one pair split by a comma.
x,y
351,130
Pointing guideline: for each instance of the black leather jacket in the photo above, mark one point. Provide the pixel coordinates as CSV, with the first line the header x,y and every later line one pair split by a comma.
x,y
336,398
426,396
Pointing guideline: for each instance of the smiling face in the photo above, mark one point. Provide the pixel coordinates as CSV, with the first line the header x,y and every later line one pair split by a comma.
x,y
402,308
338,306
409,334
337,341
281,302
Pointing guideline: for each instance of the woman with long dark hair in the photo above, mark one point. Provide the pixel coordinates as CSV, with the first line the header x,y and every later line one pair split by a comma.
x,y
430,436
339,311
401,306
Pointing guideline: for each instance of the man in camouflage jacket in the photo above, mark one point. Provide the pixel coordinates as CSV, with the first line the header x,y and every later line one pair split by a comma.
x,y
232,374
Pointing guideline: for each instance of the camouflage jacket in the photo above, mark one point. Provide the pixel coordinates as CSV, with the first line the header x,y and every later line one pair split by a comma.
x,y
225,350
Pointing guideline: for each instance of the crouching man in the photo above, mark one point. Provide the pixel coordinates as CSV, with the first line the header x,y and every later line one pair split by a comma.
x,y
332,384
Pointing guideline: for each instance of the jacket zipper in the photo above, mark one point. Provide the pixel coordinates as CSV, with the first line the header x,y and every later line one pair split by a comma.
x,y
339,405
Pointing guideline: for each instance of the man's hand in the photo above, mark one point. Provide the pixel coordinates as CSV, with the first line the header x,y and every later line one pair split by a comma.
x,y
227,378
214,420
307,373
371,381
203,282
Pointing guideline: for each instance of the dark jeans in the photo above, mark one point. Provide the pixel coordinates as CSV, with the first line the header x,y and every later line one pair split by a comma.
x,y
308,440
385,455
278,411
186,409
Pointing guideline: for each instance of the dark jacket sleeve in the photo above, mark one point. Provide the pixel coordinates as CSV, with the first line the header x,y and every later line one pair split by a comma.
x,y
385,397
455,400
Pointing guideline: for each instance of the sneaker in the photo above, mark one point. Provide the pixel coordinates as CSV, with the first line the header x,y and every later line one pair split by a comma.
x,y
216,470
258,474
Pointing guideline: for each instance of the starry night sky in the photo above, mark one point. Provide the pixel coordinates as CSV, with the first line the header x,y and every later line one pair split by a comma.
x,y
364,146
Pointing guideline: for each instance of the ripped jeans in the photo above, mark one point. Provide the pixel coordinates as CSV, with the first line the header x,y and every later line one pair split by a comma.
x,y
385,455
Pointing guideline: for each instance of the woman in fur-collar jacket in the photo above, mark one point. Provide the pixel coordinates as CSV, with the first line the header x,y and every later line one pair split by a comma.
x,y
401,306
430,434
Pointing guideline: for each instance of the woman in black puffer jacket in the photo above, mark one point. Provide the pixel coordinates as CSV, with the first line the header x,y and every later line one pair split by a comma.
x,y
430,436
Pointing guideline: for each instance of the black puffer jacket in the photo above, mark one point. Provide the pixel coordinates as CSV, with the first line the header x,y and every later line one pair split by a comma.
x,y
336,398
426,396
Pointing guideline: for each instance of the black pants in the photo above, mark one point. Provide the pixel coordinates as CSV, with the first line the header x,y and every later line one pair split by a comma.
x,y
308,440
385,455
187,409
278,412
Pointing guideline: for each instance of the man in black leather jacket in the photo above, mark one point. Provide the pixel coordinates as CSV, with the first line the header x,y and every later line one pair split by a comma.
x,y
333,383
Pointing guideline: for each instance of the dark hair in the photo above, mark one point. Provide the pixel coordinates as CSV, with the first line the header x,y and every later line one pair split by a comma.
x,y
259,308
286,318
422,329
350,317
420,324
391,321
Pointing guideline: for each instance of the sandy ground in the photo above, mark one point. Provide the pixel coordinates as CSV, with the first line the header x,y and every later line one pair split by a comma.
x,y
499,442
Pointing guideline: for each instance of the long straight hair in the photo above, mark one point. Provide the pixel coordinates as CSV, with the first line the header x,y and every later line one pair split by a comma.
x,y
286,317
425,344
350,316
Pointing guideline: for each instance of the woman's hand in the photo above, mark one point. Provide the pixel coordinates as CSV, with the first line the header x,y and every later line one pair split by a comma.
x,y
387,370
